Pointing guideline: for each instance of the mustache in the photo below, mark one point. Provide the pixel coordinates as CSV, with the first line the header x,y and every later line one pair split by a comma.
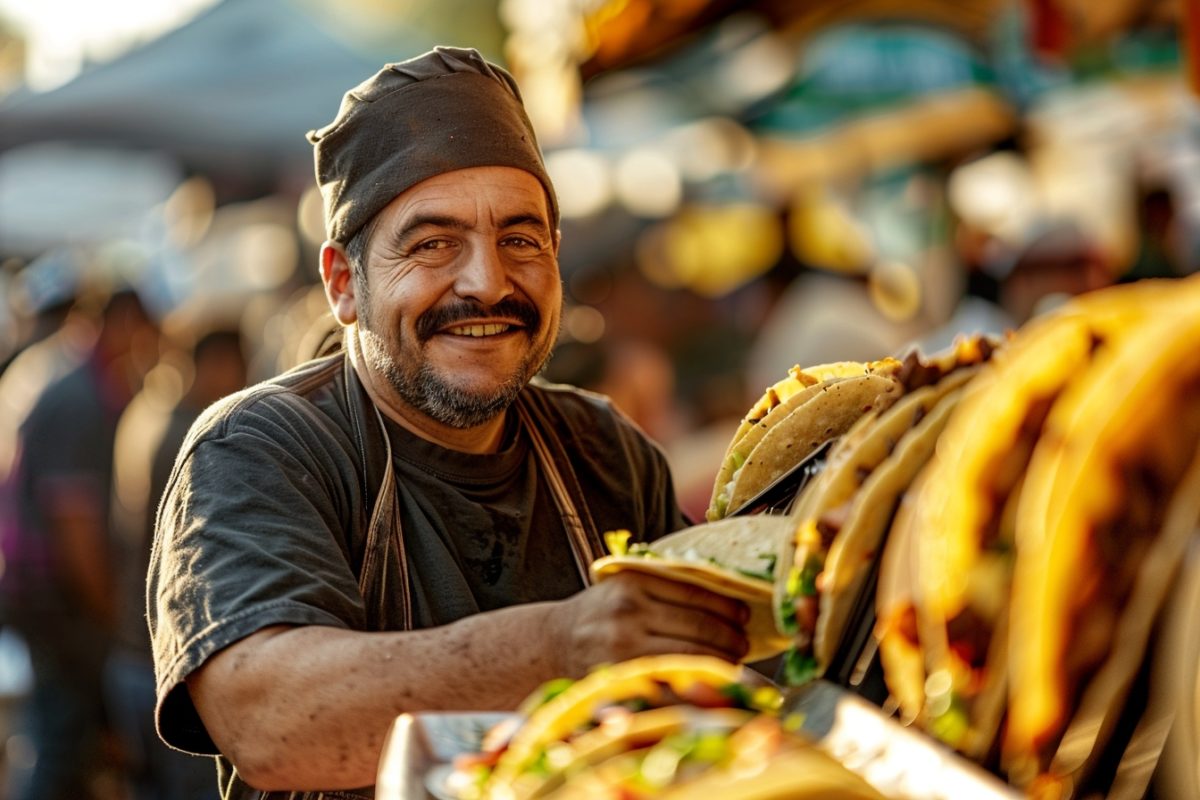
x,y
435,319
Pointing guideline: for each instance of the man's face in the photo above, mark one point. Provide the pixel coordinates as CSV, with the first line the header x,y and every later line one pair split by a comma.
x,y
464,297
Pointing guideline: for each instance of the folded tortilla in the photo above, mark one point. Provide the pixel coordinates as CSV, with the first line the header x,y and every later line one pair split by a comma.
x,y
522,768
964,517
846,512
734,557
871,513
759,760
784,401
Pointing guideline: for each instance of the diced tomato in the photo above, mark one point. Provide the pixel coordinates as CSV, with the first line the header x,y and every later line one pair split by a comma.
x,y
705,695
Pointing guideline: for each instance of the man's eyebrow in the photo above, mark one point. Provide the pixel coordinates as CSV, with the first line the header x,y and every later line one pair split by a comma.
x,y
399,237
525,219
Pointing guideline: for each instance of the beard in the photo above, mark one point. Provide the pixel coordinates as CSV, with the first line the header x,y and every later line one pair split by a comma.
x,y
420,385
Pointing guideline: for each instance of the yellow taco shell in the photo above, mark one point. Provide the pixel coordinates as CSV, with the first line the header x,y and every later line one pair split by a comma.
x,y
575,706
775,404
1118,446
824,414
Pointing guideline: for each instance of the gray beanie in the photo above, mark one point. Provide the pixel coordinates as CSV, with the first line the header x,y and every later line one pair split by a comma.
x,y
446,110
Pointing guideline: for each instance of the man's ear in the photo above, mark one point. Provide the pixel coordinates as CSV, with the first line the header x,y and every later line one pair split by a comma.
x,y
339,283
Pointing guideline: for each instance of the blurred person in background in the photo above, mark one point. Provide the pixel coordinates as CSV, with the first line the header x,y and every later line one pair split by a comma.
x,y
43,294
1058,260
1010,283
56,336
1160,238
408,524
58,586
149,435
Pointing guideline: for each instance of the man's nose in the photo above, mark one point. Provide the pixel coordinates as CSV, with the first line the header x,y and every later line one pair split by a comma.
x,y
483,275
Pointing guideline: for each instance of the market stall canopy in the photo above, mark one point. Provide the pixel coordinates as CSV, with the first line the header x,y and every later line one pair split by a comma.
x,y
629,32
230,94
111,194
623,33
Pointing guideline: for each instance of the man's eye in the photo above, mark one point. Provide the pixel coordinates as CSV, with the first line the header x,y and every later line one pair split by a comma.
x,y
518,241
433,244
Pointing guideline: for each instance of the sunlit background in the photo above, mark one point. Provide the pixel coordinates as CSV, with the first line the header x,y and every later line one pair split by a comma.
x,y
744,185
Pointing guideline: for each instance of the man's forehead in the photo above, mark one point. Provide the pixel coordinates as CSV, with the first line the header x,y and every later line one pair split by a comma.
x,y
496,193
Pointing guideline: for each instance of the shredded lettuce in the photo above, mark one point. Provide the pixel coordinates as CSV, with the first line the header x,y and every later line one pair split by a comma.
x,y
545,693
952,724
807,580
799,668
787,615
767,573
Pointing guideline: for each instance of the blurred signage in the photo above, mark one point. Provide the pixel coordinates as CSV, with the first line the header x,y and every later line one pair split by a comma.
x,y
1191,43
854,69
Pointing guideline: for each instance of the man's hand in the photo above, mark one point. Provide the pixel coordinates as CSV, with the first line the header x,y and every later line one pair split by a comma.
x,y
635,614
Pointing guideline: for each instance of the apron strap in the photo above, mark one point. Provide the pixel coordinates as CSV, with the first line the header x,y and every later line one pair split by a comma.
x,y
581,530
383,532
383,526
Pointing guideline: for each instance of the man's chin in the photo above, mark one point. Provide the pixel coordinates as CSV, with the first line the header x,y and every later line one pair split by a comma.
x,y
459,410
466,404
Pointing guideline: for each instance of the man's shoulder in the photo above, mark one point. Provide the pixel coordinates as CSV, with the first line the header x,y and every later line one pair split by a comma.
x,y
586,413
312,394
571,401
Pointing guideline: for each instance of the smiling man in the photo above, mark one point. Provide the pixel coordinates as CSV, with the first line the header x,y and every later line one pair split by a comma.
x,y
407,524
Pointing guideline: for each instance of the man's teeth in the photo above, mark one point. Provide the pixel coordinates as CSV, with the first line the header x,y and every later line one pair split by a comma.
x,y
491,329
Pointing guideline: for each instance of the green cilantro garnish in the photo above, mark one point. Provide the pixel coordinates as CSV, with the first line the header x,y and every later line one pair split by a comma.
x,y
799,668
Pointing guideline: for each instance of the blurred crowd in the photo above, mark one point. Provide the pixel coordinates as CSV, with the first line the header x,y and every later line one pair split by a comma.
x,y
97,396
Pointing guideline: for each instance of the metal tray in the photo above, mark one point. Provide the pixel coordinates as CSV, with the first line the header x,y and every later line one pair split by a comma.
x,y
902,764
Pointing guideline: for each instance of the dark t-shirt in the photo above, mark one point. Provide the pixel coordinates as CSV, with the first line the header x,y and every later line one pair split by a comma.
x,y
264,520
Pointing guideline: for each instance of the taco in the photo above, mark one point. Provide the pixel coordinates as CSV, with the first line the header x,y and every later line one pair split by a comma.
x,y
895,630
842,517
734,557
759,760
1111,501
871,511
568,726
793,418
963,517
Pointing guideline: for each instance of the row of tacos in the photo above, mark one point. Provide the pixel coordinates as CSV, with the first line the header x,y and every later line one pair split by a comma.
x,y
1002,520
658,726
858,417
1030,561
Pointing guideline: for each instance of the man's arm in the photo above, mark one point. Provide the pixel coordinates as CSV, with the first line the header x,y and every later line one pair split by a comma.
x,y
307,708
